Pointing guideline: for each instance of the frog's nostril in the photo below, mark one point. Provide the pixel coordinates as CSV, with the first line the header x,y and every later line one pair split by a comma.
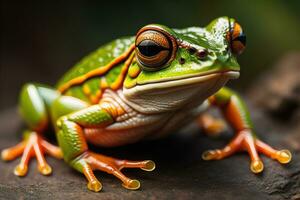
x,y
181,61
202,54
192,50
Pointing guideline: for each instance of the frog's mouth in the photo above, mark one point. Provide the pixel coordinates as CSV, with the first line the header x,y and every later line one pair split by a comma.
x,y
186,81
168,95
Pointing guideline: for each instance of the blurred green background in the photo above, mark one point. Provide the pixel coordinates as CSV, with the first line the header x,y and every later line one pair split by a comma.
x,y
41,40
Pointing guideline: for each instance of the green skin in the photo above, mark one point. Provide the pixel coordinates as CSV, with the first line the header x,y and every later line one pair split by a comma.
x,y
40,104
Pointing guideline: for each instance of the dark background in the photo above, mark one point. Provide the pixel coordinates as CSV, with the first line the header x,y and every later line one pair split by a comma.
x,y
41,40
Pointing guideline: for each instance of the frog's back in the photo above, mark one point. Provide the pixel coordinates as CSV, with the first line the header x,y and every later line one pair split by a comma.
x,y
99,70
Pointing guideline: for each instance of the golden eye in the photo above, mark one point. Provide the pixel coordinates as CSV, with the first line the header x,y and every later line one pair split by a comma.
x,y
236,39
154,48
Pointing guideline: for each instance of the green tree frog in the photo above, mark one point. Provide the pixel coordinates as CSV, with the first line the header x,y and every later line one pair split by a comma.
x,y
141,87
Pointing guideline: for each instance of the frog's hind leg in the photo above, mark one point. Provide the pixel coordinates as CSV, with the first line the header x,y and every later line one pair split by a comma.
x,y
34,104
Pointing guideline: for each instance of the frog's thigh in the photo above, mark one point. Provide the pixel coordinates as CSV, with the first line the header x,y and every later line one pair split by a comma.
x,y
65,105
34,100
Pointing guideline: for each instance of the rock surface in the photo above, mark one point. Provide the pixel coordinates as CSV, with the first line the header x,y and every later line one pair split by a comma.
x,y
277,93
180,173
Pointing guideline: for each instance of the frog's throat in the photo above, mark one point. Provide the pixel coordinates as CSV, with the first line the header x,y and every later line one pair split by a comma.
x,y
180,82
162,97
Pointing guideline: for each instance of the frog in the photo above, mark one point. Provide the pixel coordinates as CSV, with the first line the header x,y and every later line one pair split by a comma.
x,y
137,88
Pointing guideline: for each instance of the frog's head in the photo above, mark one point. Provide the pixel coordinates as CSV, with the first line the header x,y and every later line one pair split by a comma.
x,y
172,67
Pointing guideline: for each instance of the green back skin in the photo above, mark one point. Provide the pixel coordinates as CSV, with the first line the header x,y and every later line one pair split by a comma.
x,y
99,58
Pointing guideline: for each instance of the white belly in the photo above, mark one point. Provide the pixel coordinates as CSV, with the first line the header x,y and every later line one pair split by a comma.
x,y
134,126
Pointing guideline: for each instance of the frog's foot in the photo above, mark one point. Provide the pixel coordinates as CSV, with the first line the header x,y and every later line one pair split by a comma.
x,y
211,125
246,141
88,162
32,145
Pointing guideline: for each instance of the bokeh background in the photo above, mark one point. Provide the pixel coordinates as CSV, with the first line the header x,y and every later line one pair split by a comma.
x,y
40,40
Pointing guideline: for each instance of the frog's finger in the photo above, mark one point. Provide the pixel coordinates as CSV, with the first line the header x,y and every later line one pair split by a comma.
x,y
13,152
283,156
93,183
256,165
228,150
128,183
147,165
21,169
43,166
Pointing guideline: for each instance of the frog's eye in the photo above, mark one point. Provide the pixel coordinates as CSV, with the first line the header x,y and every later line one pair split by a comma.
x,y
154,49
236,39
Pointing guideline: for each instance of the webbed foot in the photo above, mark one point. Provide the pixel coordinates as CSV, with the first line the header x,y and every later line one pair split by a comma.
x,y
32,145
89,162
246,141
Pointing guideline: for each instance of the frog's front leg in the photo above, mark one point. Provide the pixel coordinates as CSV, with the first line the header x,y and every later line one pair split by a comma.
x,y
238,116
75,150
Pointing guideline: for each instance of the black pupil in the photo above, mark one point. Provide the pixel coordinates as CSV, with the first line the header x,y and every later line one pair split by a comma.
x,y
149,48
